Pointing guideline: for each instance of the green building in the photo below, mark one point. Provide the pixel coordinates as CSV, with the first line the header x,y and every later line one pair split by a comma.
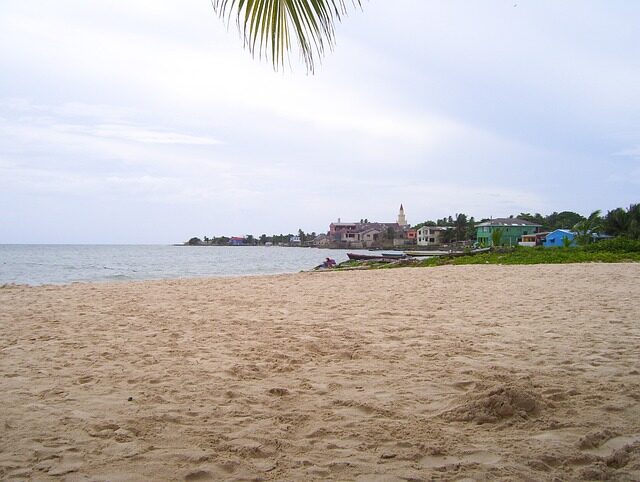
x,y
512,230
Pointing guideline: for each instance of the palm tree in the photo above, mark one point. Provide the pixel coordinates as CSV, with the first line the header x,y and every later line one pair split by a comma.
x,y
620,222
460,226
588,227
267,26
616,222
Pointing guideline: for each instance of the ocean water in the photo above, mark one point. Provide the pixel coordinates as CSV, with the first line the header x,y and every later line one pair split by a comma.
x,y
56,264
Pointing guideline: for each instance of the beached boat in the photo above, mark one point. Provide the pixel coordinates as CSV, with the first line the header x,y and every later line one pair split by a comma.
x,y
375,257
426,253
416,254
363,257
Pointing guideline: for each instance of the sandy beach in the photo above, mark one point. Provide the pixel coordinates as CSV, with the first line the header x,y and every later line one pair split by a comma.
x,y
452,373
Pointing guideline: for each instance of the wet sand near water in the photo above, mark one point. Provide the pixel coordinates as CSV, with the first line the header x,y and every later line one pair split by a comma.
x,y
451,373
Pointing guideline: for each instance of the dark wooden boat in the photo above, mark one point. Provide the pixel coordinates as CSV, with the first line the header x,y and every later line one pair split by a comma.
x,y
374,257
362,257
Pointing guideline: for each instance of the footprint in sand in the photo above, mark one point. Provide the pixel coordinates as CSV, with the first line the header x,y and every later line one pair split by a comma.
x,y
279,392
199,475
606,442
479,457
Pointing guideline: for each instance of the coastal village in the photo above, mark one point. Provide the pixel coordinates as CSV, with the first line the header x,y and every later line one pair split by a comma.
x,y
460,232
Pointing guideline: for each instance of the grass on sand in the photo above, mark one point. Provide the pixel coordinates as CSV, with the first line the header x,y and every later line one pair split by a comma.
x,y
618,250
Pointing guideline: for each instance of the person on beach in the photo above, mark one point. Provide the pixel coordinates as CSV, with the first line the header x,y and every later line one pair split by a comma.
x,y
329,263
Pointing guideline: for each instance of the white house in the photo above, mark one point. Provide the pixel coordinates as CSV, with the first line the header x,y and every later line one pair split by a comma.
x,y
430,235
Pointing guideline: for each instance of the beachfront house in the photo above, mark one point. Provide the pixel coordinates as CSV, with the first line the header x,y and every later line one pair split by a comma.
x,y
532,240
363,235
512,230
342,232
557,238
370,236
430,235
321,240
236,241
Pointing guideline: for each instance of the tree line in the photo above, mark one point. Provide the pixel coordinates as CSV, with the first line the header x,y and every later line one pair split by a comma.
x,y
251,240
617,222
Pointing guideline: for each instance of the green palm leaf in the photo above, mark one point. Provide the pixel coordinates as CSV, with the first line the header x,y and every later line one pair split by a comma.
x,y
267,26
587,227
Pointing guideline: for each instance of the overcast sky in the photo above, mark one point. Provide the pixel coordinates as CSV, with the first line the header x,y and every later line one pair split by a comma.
x,y
145,121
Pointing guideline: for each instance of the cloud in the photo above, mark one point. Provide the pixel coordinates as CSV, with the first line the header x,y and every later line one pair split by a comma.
x,y
480,108
137,134
198,79
630,152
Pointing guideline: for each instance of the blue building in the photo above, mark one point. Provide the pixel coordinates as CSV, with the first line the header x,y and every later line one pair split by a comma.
x,y
556,238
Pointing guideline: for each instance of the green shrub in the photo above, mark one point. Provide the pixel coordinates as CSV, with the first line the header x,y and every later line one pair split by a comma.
x,y
615,245
617,250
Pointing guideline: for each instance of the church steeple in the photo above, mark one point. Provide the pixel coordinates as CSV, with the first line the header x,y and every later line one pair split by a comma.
x,y
402,220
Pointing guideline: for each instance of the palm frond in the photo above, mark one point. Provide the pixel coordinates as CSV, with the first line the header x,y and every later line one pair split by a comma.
x,y
268,26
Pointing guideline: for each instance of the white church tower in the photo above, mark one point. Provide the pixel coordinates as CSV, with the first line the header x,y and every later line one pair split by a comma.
x,y
402,220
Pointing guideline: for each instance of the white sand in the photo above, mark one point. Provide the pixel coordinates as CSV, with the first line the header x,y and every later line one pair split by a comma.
x,y
452,373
